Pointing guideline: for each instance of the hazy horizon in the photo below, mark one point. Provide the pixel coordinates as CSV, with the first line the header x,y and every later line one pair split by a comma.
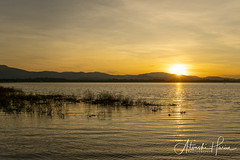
x,y
224,76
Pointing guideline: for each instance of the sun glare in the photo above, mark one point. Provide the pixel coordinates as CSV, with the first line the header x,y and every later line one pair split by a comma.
x,y
179,69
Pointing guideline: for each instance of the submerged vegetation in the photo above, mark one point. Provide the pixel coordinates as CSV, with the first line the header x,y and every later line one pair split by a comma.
x,y
109,98
16,101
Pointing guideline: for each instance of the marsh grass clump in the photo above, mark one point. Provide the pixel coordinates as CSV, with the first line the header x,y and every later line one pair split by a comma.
x,y
8,100
113,99
88,96
16,101
109,98
127,101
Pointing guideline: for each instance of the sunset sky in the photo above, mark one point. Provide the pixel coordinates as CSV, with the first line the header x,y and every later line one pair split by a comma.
x,y
121,36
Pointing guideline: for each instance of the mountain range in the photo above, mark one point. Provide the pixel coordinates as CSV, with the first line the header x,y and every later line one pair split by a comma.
x,y
9,74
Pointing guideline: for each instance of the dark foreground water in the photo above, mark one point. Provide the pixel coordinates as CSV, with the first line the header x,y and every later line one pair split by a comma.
x,y
208,130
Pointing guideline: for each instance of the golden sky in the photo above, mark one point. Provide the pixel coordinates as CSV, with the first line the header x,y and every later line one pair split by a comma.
x,y
121,36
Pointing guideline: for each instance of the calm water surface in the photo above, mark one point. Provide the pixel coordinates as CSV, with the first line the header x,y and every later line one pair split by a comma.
x,y
212,111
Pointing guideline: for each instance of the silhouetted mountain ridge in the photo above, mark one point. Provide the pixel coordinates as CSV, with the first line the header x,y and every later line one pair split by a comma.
x,y
15,74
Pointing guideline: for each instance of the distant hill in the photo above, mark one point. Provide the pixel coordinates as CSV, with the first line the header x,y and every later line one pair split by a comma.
x,y
9,74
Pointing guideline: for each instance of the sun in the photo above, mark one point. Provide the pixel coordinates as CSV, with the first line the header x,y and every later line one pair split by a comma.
x,y
179,69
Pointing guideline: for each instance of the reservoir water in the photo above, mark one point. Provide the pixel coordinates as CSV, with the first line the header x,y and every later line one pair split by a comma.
x,y
197,121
